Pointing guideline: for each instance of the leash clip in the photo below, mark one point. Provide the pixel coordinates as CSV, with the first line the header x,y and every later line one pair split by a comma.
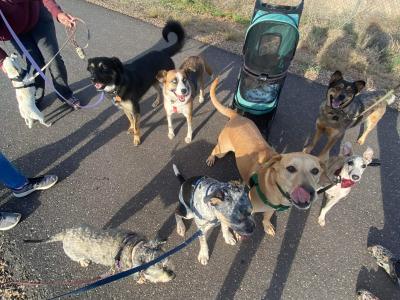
x,y
80,53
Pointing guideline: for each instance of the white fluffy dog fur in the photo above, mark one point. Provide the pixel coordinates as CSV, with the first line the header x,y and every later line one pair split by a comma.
x,y
25,95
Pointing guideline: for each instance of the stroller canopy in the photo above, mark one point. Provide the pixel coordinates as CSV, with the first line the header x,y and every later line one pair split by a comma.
x,y
271,42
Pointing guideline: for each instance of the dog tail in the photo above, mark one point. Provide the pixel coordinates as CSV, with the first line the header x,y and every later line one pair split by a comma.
x,y
227,112
56,238
178,174
175,27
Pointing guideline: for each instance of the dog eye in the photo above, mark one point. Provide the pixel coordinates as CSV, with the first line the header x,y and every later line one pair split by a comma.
x,y
184,80
350,163
291,169
174,81
363,166
314,171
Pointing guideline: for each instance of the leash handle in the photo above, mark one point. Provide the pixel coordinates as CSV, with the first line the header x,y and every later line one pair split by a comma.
x,y
131,271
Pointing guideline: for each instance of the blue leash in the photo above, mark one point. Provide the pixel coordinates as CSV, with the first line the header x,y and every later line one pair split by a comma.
x,y
134,270
37,68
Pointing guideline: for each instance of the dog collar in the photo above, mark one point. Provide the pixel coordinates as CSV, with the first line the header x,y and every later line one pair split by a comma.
x,y
24,86
131,239
346,183
254,182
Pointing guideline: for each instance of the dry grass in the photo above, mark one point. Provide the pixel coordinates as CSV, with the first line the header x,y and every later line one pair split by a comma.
x,y
360,37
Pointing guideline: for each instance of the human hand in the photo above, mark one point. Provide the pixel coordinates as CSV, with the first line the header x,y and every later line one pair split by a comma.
x,y
66,19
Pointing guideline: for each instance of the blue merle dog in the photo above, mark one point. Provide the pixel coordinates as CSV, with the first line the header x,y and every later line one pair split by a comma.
x,y
210,203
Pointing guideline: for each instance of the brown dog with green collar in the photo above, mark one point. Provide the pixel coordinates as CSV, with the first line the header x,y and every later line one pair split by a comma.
x,y
277,181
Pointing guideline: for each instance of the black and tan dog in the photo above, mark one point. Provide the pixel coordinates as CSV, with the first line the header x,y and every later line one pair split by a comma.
x,y
180,87
127,83
341,110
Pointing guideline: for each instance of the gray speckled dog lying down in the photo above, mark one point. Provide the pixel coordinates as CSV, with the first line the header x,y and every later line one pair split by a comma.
x,y
113,247
211,202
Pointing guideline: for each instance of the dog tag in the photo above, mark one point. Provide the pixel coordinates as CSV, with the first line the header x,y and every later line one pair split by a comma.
x,y
174,109
117,99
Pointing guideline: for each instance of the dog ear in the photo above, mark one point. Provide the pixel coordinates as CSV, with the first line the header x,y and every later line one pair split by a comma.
x,y
368,154
215,198
117,64
337,75
161,75
272,161
359,85
347,149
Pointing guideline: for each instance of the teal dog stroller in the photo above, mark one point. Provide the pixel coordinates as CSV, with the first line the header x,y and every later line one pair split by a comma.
x,y
269,47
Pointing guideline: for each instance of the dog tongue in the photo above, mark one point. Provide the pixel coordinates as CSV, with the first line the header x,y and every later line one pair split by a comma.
x,y
98,85
300,195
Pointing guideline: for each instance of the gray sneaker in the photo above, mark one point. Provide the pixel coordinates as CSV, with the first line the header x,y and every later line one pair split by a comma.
x,y
35,184
9,220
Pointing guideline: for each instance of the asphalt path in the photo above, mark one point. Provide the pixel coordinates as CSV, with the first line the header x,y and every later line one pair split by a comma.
x,y
107,182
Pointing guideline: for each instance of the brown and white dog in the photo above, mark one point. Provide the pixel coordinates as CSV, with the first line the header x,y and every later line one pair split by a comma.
x,y
180,87
277,181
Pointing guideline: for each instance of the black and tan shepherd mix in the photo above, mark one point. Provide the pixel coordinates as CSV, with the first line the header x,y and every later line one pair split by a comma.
x,y
127,83
343,109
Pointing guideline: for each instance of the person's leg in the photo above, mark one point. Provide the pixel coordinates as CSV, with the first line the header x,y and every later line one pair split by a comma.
x,y
34,51
9,175
18,183
44,34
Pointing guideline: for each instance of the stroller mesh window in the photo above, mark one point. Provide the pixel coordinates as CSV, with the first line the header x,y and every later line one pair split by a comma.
x,y
270,47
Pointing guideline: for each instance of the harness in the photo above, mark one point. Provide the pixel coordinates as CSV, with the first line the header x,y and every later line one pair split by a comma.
x,y
130,239
189,201
254,182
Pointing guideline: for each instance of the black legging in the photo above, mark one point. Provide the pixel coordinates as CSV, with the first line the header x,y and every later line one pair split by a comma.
x,y
41,43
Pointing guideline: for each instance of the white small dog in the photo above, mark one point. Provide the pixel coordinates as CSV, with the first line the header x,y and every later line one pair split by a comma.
x,y
25,93
349,168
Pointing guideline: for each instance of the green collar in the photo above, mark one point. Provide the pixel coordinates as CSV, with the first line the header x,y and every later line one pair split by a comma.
x,y
254,182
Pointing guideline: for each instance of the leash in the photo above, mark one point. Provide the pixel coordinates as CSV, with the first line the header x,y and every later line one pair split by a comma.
x,y
131,271
55,282
71,38
385,97
37,68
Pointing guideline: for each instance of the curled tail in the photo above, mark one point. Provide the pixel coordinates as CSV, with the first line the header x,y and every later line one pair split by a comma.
x,y
178,174
175,27
227,112
56,238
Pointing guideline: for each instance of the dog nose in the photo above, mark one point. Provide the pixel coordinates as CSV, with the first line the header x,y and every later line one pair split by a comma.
x,y
183,91
355,177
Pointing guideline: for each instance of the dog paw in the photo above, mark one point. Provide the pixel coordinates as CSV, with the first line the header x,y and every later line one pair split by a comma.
x,y
269,229
203,258
230,239
321,222
136,140
188,139
210,160
84,263
181,229
361,141
171,135
201,99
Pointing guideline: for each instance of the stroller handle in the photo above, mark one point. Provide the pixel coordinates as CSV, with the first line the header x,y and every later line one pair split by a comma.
x,y
286,9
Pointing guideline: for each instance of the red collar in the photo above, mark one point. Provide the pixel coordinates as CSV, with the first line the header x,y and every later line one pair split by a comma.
x,y
346,183
174,109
